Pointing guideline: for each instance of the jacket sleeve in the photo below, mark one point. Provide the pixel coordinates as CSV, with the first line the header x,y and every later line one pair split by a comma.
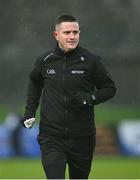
x,y
105,86
34,90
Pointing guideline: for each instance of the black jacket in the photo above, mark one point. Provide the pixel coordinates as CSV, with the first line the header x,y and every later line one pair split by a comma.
x,y
57,76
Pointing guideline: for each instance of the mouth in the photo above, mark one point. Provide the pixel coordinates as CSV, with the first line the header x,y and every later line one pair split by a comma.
x,y
72,43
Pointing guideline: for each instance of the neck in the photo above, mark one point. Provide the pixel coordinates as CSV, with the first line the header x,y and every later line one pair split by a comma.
x,y
61,48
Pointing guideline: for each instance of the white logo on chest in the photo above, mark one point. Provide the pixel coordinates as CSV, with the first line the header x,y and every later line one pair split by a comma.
x,y
77,71
51,71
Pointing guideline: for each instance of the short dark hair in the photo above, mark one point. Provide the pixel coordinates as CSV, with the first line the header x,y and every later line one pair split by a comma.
x,y
65,18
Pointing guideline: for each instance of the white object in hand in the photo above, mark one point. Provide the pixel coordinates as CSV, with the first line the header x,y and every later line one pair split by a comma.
x,y
29,122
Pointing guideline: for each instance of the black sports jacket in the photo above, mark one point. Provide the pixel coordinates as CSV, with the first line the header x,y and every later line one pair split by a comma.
x,y
55,78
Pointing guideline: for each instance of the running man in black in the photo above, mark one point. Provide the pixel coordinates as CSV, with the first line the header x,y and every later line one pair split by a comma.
x,y
69,80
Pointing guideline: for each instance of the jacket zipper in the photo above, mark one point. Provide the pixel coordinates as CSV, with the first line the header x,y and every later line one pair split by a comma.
x,y
64,97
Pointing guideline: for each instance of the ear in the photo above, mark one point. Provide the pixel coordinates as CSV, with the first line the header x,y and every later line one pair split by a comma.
x,y
55,34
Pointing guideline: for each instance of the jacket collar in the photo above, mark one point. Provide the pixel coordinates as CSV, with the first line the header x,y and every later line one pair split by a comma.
x,y
60,51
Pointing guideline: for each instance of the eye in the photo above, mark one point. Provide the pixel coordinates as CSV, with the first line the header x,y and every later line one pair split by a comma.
x,y
75,32
66,32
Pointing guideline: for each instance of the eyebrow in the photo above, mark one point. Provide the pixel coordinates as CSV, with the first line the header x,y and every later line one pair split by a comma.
x,y
74,31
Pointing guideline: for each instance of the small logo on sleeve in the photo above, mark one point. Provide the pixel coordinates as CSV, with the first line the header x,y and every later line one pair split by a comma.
x,y
82,58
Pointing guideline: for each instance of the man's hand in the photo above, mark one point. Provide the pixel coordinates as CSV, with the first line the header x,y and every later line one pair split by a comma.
x,y
28,123
83,99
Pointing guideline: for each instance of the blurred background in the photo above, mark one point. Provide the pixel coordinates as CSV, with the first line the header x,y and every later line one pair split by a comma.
x,y
109,28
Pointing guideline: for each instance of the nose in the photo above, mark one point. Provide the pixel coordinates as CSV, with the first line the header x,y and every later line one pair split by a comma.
x,y
72,35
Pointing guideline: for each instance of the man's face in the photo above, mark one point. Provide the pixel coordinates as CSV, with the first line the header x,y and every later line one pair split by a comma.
x,y
67,35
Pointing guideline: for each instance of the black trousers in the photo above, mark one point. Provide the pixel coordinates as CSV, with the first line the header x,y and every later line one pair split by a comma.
x,y
77,152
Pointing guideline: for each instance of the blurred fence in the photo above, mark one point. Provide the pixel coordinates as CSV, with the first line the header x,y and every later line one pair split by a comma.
x,y
26,143
123,140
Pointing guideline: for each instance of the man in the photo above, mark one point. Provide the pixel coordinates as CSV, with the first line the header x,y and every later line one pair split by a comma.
x,y
70,80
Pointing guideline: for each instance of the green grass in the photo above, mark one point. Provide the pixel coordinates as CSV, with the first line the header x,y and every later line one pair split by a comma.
x,y
112,114
18,168
108,167
115,168
3,112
